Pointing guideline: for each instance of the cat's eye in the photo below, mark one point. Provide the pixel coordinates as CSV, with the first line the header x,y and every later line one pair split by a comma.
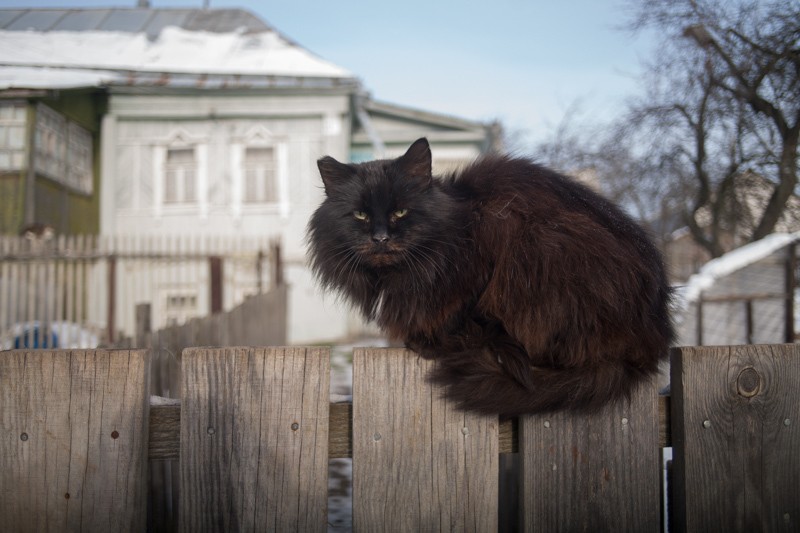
x,y
359,215
400,213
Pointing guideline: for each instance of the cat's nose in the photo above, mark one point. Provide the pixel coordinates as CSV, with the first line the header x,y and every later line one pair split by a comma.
x,y
380,237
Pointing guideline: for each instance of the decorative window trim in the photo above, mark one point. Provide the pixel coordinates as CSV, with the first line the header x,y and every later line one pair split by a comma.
x,y
179,305
180,176
63,150
260,175
255,138
180,140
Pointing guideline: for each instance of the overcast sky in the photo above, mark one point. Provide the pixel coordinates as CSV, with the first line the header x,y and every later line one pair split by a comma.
x,y
523,62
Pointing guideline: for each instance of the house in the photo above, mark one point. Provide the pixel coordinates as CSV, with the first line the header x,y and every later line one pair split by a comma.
x,y
194,122
747,202
747,296
49,159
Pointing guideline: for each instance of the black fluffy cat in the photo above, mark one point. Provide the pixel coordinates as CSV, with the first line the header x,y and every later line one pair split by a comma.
x,y
530,291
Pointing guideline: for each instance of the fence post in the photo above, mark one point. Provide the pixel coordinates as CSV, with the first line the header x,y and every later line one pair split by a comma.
x,y
748,320
259,271
143,325
593,472
700,319
73,455
215,277
254,439
735,431
791,286
277,264
112,297
419,464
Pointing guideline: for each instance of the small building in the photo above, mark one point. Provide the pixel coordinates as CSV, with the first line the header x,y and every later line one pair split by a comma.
x,y
191,122
50,159
747,296
747,201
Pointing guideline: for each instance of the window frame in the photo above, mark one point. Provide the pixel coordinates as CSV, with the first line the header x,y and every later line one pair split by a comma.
x,y
6,125
63,150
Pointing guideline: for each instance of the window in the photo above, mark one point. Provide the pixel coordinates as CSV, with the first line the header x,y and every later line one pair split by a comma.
x,y
64,150
12,136
180,185
259,175
180,307
51,143
79,158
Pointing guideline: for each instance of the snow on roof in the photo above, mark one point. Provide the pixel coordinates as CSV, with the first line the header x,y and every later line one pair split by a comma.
x,y
733,261
49,78
245,51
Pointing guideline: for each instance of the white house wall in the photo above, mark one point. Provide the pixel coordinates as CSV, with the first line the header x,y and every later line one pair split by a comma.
x,y
137,133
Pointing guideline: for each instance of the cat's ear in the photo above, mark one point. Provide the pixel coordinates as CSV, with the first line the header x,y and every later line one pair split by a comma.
x,y
417,159
333,173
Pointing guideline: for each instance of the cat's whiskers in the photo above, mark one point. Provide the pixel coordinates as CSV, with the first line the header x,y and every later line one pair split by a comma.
x,y
346,261
428,250
348,268
435,270
414,264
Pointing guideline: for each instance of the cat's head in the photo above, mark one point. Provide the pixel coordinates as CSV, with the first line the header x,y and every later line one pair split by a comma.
x,y
377,214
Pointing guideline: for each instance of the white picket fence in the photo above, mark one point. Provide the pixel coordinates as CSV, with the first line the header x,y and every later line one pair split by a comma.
x,y
82,290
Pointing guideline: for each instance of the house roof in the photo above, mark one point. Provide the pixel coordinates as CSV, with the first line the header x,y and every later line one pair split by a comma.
x,y
734,261
418,115
396,124
200,48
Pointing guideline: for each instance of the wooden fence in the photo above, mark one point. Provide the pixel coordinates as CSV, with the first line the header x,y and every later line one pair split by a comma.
x,y
255,430
94,283
258,321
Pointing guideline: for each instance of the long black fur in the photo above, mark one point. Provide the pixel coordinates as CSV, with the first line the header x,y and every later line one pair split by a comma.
x,y
532,292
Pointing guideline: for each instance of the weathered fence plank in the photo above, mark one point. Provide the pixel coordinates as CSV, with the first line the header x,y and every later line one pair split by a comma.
x,y
735,436
593,472
418,463
254,439
165,430
74,440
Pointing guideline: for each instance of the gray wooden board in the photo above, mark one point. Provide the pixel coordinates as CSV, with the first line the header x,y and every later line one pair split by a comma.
x,y
73,453
418,463
736,438
593,472
254,439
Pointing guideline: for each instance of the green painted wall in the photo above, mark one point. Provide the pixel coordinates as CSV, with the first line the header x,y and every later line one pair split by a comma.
x,y
68,211
12,201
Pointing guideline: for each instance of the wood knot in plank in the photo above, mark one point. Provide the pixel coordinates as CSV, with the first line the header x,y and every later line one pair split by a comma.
x,y
748,384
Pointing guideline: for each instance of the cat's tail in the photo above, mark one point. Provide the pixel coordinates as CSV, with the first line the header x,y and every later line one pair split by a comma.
x,y
488,384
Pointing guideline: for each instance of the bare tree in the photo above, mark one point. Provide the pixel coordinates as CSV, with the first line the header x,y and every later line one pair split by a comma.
x,y
625,168
697,139
724,100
